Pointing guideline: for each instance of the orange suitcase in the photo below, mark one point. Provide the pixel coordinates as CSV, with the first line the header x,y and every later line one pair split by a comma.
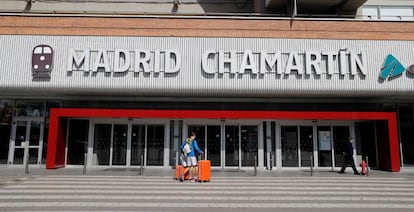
x,y
179,169
204,170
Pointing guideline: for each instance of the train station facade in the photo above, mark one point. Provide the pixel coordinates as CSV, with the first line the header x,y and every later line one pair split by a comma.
x,y
125,92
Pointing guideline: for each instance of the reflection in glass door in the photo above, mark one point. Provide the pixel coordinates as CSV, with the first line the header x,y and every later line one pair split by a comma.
x,y
200,134
237,148
137,144
155,144
209,140
232,145
102,144
249,141
306,145
19,141
213,145
340,136
77,141
127,144
289,138
26,141
119,146
324,146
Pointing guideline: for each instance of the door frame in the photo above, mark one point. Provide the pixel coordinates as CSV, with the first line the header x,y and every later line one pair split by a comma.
x,y
223,123
56,139
314,124
129,122
12,147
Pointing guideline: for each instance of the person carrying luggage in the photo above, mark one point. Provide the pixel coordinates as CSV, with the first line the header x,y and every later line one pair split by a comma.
x,y
189,147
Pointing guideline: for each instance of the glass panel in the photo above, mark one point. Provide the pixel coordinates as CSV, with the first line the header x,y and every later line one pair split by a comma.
x,y
34,133
155,145
102,144
213,145
6,112
396,13
249,140
324,146
29,108
365,133
232,145
18,156
33,155
119,147
4,143
340,136
137,144
405,114
77,141
370,12
20,134
306,145
200,135
289,138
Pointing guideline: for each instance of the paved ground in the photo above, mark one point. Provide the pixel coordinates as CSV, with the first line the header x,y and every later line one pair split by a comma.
x,y
114,189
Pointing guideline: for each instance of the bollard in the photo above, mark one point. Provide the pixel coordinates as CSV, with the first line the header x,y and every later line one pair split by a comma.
x,y
26,168
271,161
311,165
141,172
255,165
85,157
367,165
85,161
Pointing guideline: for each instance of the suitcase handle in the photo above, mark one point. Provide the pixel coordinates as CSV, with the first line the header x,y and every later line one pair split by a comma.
x,y
200,156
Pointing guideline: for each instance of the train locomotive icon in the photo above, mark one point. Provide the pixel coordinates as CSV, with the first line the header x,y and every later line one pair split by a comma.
x,y
42,61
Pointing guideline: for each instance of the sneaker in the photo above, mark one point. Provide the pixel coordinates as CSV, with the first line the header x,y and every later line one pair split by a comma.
x,y
192,180
341,172
356,173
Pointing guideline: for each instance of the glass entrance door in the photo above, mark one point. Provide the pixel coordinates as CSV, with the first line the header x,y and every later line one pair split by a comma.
x,y
137,144
289,139
237,148
232,145
26,143
241,145
322,143
128,144
213,144
324,136
209,140
249,140
330,142
306,145
119,144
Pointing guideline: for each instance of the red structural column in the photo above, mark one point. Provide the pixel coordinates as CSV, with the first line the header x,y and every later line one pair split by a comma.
x,y
394,147
52,138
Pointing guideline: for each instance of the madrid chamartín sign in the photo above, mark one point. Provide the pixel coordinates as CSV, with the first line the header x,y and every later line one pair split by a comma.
x,y
216,62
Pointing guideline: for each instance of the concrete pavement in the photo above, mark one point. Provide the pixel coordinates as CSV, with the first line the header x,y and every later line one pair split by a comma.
x,y
116,189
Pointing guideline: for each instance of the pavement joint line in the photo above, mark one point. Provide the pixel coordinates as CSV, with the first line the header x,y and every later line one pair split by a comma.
x,y
231,198
229,183
210,192
206,205
198,186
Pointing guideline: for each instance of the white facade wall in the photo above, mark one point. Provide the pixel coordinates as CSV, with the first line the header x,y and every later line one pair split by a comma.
x,y
193,80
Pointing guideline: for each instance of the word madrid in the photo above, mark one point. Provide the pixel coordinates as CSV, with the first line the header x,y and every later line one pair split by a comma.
x,y
121,60
219,62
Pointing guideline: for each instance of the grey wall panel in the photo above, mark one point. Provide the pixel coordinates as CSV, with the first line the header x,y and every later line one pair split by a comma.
x,y
190,80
